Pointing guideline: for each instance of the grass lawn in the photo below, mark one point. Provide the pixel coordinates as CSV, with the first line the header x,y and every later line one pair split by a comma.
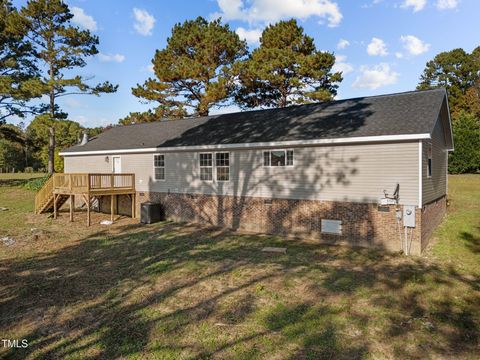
x,y
18,178
173,291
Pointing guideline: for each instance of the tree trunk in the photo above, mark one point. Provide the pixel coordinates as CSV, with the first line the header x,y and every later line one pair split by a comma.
x,y
51,139
51,151
25,151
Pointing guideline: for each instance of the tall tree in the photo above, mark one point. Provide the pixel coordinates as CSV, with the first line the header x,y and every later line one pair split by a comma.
x,y
19,81
286,69
457,71
60,47
12,150
66,134
466,135
193,72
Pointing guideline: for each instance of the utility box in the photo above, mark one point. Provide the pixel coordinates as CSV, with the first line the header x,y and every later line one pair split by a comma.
x,y
151,212
409,215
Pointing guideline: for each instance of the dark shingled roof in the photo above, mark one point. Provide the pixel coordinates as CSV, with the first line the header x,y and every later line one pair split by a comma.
x,y
398,114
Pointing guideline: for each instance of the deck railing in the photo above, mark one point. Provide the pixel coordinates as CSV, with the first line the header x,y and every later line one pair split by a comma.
x,y
43,194
83,183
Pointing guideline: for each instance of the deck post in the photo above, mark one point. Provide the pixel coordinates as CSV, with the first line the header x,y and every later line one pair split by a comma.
x,y
111,208
86,198
133,205
72,200
54,206
89,185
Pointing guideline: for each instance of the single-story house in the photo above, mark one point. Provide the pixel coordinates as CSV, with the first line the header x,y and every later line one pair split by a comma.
x,y
369,171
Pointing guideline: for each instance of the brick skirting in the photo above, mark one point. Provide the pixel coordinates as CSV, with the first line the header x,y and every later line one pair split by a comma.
x,y
363,224
432,215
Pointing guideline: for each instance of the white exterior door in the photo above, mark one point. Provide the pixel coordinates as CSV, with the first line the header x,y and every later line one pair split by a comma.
x,y
117,165
117,169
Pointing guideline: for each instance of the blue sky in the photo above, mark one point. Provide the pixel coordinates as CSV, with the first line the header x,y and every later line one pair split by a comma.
x,y
381,45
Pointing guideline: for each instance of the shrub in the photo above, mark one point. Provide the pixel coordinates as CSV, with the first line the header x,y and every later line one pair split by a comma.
x,y
35,184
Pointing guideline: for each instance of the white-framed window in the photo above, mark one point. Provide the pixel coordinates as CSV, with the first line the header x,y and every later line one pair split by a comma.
x,y
278,158
206,166
159,166
429,159
222,166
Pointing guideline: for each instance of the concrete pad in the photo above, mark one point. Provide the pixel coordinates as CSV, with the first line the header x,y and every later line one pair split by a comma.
x,y
275,250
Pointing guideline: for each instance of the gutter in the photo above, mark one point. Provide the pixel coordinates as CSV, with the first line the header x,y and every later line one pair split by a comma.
x,y
272,144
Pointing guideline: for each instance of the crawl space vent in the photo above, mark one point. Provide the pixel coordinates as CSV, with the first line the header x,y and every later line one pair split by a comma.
x,y
332,226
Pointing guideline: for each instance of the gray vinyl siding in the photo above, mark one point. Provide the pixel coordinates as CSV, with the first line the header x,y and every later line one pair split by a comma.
x,y
436,186
356,173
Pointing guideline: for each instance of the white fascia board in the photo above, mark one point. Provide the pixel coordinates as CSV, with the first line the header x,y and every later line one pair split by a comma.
x,y
272,144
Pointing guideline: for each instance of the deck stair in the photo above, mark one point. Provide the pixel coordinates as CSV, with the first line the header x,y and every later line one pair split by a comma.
x,y
47,206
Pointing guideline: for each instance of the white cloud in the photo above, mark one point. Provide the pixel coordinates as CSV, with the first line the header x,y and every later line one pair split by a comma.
x,y
377,47
72,102
220,110
414,45
269,11
342,65
417,5
342,44
91,122
251,36
111,57
82,19
371,4
398,55
147,69
375,76
144,21
447,4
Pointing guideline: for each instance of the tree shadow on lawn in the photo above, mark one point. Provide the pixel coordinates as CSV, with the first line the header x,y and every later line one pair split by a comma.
x,y
472,241
183,290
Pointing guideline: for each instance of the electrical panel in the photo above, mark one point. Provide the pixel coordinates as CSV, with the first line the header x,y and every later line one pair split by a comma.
x,y
409,216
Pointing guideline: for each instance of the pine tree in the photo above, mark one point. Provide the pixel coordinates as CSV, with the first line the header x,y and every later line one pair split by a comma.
x,y
60,46
19,81
286,69
193,72
457,71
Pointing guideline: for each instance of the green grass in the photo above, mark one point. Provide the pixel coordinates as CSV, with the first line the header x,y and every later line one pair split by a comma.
x,y
15,179
459,236
19,203
173,291
20,176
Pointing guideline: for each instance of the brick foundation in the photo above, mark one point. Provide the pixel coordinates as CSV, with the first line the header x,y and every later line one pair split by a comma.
x,y
432,215
363,224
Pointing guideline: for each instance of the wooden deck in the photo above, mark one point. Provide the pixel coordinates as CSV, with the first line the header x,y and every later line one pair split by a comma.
x,y
88,186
